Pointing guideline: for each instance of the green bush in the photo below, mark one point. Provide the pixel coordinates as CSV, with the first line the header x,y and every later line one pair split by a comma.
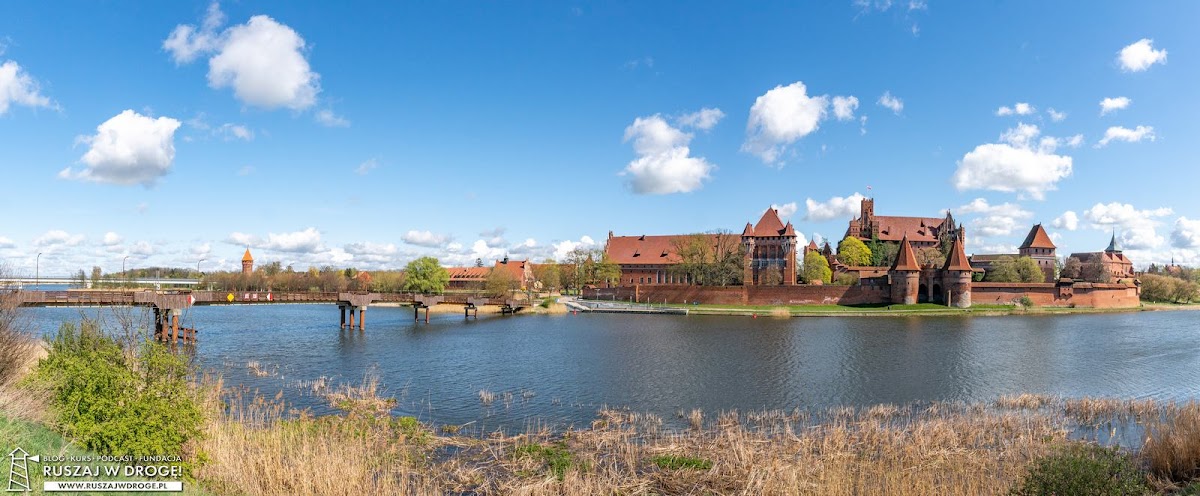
x,y
117,401
1026,301
674,462
1083,469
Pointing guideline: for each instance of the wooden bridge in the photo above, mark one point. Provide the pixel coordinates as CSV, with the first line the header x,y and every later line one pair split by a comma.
x,y
168,305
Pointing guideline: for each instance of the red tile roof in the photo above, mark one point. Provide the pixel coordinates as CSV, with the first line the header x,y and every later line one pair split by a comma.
x,y
957,260
915,228
467,273
1038,238
748,231
627,250
247,257
906,260
812,244
514,267
769,224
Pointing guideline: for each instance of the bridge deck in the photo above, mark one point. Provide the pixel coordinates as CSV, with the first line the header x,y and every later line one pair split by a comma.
x,y
184,298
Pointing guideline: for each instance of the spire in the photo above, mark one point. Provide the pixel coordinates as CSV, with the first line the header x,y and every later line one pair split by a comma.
x,y
906,260
247,257
788,230
748,231
958,259
1112,244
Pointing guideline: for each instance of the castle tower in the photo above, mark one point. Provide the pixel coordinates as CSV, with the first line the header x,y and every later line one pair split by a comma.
x,y
748,255
1038,246
247,263
789,254
905,274
956,276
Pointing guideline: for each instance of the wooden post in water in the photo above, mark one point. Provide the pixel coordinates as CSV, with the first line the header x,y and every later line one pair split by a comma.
x,y
343,311
362,318
352,317
174,328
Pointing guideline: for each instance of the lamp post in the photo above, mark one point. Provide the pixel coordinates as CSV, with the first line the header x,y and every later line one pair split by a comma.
x,y
199,275
37,271
123,274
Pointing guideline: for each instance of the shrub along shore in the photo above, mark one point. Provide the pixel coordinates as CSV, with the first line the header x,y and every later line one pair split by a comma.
x,y
238,444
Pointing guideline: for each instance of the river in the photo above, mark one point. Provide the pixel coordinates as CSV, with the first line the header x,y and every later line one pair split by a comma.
x,y
560,369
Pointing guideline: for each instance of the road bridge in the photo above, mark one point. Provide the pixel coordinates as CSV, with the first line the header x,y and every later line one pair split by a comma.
x,y
169,305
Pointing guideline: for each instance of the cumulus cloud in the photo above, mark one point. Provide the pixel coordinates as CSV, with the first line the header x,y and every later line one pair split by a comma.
x,y
1140,55
111,239
1113,104
57,238
1055,115
893,103
1136,227
1186,233
327,118
17,87
1118,133
995,220
780,117
127,149
142,248
306,241
1069,220
262,60
703,119
1021,108
562,248
372,252
663,164
836,207
1075,141
425,238
844,107
1020,163
786,210
6,243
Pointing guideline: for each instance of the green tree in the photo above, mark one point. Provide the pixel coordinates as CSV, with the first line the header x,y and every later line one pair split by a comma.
x,y
1004,269
930,256
816,268
425,275
709,259
1095,271
500,282
97,273
851,251
883,253
606,270
1028,270
547,273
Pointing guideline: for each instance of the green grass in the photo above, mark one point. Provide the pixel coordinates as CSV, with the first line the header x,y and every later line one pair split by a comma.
x,y
557,458
676,462
872,308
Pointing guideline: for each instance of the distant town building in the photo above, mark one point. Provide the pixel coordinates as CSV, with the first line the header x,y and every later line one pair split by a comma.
x,y
247,263
476,277
1112,258
921,232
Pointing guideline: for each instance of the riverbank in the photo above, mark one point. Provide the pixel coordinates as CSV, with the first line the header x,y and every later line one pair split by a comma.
x,y
920,309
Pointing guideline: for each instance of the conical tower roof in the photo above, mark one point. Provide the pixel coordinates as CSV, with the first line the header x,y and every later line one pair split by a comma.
x,y
247,257
769,224
1113,247
748,231
958,259
1037,238
906,260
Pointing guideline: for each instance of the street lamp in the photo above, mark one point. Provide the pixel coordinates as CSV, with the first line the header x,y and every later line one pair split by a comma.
x,y
37,273
123,274
199,275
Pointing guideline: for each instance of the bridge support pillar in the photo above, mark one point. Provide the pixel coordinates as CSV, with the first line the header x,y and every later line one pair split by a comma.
x,y
174,327
342,308
362,318
352,317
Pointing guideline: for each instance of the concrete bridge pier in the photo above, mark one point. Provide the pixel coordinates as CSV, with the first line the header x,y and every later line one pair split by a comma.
x,y
355,302
424,301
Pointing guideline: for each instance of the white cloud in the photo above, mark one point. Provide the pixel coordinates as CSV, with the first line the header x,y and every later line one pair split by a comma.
x,y
703,119
366,167
997,220
786,210
425,238
844,107
1069,220
663,165
6,243
1014,165
17,87
262,60
561,249
127,149
112,238
306,241
1119,133
1186,233
1055,115
1113,104
372,250
235,131
493,237
891,102
202,250
1136,228
56,238
1140,55
1075,141
835,208
327,118
1021,108
780,117
142,248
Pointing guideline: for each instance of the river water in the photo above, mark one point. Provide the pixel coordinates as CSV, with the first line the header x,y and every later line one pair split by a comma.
x,y
560,369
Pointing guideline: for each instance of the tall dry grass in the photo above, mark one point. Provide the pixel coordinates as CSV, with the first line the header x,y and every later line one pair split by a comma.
x,y
19,354
1172,447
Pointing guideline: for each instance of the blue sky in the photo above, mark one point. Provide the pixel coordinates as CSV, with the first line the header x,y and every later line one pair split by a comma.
x,y
366,135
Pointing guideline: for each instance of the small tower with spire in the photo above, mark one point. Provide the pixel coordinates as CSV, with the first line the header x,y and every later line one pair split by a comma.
x,y
1113,247
247,263
905,274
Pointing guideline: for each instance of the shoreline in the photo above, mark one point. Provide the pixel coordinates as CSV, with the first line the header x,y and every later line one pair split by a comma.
x,y
755,311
